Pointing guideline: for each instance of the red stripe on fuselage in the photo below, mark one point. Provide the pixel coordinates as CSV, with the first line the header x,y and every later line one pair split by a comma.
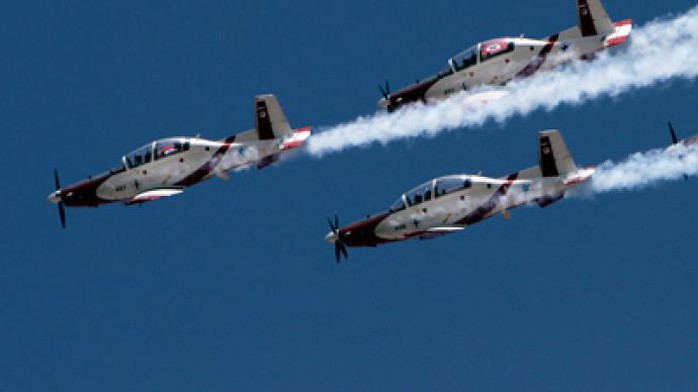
x,y
538,61
202,172
481,212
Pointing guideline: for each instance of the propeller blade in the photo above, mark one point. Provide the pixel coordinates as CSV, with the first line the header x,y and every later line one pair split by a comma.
x,y
385,91
61,207
334,226
339,247
61,213
343,248
337,251
674,139
56,181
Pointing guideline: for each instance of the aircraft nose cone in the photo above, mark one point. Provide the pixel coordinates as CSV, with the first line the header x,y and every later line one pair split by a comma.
x,y
55,197
331,237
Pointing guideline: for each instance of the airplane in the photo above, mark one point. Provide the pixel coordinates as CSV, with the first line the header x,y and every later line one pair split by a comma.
x,y
501,60
165,167
451,203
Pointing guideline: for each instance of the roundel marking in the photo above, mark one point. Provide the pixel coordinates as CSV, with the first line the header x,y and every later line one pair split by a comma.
x,y
494,47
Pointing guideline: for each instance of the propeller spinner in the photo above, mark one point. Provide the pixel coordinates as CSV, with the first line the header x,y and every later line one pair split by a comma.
x,y
387,101
385,91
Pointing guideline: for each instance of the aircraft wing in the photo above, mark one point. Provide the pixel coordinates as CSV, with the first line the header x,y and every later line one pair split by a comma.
x,y
434,232
445,229
154,194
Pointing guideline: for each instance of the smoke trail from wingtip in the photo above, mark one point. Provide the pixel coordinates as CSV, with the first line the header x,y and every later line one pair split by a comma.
x,y
659,51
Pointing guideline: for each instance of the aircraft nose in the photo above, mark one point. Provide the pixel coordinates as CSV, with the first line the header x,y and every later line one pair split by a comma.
x,y
331,237
55,197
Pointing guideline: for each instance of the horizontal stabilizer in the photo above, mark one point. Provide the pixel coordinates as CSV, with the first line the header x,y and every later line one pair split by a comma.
x,y
620,34
295,139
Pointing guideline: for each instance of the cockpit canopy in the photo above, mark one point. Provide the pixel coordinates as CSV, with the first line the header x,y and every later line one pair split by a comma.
x,y
436,188
464,59
486,50
156,150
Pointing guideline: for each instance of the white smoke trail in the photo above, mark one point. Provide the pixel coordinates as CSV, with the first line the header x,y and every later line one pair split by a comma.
x,y
645,169
659,51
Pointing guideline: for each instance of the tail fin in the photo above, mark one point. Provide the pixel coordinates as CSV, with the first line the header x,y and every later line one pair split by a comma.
x,y
553,157
592,18
270,121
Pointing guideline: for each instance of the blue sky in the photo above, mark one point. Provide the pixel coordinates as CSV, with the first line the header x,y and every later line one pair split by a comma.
x,y
229,286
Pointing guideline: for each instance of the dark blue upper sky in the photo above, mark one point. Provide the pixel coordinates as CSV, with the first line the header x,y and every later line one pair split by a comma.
x,y
229,286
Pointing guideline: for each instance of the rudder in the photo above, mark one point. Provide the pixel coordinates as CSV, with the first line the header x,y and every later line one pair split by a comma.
x,y
553,157
270,121
592,18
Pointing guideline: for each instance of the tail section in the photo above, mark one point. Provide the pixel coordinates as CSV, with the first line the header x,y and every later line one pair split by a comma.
x,y
270,121
592,18
553,157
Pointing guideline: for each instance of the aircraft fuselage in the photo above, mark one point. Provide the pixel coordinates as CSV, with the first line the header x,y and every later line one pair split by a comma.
x,y
194,160
452,203
496,62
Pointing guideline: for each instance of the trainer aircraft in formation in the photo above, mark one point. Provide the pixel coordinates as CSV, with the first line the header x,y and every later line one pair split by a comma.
x,y
498,61
452,203
165,167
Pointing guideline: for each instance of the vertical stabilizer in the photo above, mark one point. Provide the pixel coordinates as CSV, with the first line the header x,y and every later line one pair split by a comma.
x,y
270,121
592,18
553,157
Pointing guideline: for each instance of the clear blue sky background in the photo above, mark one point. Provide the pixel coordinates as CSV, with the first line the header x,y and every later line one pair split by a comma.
x,y
230,285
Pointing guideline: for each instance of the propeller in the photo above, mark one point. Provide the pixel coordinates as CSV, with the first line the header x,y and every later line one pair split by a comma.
x,y
385,91
339,246
61,207
675,140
